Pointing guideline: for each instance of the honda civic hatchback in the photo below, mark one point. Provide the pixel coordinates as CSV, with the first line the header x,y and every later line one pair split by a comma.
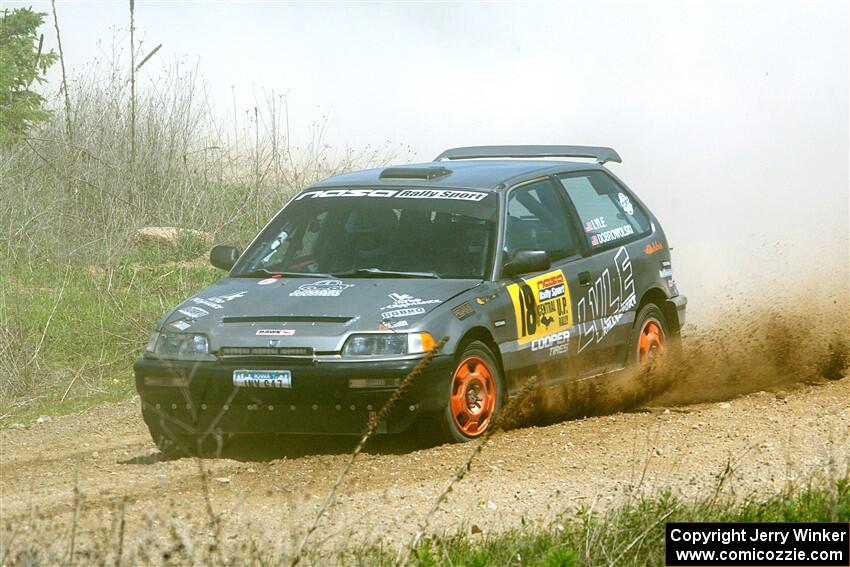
x,y
530,264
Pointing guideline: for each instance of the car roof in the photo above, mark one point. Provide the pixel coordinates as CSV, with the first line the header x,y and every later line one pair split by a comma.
x,y
487,174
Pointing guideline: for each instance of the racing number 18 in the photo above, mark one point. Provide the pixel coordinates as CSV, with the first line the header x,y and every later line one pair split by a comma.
x,y
527,309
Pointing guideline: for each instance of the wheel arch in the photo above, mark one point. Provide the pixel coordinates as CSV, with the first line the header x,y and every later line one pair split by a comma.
x,y
657,296
481,334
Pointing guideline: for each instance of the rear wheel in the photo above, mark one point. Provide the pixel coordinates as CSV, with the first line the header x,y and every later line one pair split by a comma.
x,y
475,394
650,338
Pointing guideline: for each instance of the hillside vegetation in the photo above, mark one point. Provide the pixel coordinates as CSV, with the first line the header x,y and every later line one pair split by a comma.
x,y
80,292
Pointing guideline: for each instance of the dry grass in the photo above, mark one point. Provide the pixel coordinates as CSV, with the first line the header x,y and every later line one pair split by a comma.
x,y
113,161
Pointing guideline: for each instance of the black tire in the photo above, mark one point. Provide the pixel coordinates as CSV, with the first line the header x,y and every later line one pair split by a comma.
x,y
479,360
173,445
648,315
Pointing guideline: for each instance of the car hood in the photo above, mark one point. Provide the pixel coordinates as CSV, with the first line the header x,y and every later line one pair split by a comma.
x,y
309,312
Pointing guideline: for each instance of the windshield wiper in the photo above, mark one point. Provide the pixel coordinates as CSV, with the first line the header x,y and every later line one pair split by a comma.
x,y
378,273
262,272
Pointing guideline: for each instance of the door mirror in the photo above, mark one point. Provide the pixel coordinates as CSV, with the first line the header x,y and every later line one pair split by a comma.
x,y
223,256
526,261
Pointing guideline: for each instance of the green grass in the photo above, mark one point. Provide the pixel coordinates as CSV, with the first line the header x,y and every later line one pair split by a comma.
x,y
74,332
630,535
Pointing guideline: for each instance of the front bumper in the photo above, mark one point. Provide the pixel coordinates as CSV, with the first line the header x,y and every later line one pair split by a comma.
x,y
680,302
319,401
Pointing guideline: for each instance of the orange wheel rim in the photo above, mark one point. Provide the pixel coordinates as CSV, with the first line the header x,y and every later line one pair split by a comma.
x,y
473,396
651,344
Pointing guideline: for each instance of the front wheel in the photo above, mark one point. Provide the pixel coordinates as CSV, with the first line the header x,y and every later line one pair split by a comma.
x,y
174,446
475,394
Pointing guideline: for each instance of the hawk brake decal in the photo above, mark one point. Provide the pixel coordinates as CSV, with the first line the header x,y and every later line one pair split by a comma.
x,y
604,304
541,306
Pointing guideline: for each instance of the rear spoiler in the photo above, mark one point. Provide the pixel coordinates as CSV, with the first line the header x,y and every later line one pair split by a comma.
x,y
601,154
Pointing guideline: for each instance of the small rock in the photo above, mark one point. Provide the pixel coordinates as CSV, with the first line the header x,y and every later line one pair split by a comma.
x,y
223,479
17,426
474,529
42,419
725,405
491,505
95,454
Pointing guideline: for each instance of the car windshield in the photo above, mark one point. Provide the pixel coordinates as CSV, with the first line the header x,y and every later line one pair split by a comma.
x,y
378,233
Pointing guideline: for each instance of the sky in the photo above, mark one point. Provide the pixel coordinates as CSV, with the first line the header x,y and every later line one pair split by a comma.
x,y
731,117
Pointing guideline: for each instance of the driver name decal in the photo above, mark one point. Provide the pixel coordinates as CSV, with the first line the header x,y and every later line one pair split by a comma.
x,y
541,306
606,301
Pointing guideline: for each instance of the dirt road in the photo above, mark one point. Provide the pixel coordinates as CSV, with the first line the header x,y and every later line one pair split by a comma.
x,y
272,489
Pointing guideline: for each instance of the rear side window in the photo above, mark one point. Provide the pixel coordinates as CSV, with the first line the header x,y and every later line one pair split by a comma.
x,y
608,215
537,220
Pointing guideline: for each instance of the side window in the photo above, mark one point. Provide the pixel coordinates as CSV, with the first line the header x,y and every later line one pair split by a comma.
x,y
537,220
294,247
607,213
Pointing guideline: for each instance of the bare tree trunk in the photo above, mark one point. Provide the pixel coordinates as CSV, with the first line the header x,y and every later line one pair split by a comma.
x,y
68,132
132,83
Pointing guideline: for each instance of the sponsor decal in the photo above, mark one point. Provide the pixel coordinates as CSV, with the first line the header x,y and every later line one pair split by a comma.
x,y
485,299
181,324
605,302
441,194
595,224
463,311
267,281
626,204
218,301
390,325
323,288
474,196
403,300
611,235
499,323
557,343
665,273
541,306
194,312
275,332
652,248
397,313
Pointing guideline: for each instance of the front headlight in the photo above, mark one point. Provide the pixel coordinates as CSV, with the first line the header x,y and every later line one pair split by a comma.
x,y
182,346
388,344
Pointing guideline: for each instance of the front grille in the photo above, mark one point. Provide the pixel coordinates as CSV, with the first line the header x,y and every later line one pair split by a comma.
x,y
266,351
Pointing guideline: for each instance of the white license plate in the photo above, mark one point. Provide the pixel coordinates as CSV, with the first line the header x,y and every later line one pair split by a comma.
x,y
262,378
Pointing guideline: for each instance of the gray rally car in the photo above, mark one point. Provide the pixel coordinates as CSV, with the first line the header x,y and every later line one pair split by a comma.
x,y
529,266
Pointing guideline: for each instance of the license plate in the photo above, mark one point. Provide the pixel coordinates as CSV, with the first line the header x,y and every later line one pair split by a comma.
x,y
262,378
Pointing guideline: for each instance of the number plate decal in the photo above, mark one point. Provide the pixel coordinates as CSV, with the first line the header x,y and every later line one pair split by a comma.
x,y
262,378
541,306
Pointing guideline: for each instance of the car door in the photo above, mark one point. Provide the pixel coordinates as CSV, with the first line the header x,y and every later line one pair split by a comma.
x,y
611,223
542,328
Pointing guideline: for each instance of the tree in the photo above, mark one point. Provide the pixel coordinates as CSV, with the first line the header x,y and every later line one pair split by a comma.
x,y
22,64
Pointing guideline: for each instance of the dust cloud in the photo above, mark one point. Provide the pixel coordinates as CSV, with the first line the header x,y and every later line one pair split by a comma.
x,y
746,348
